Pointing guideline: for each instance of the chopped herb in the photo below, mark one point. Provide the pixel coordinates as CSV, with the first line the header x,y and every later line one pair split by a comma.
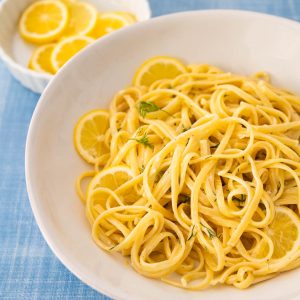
x,y
211,233
147,107
143,140
183,198
193,234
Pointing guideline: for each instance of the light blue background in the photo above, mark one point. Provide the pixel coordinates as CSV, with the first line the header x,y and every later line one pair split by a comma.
x,y
28,269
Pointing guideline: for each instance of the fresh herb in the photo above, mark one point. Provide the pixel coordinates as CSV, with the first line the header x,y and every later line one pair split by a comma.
x,y
211,233
183,198
193,234
143,140
148,107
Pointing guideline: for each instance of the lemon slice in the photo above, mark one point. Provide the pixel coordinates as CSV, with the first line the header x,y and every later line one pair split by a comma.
x,y
82,20
44,21
40,60
157,68
89,135
111,178
109,22
284,232
67,48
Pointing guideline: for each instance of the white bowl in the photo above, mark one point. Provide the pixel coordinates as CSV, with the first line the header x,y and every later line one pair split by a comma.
x,y
15,52
242,42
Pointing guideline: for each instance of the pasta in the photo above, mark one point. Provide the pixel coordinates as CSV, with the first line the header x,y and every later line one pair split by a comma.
x,y
199,183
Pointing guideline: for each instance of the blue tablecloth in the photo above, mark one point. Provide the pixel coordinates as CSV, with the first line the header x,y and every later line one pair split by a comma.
x,y
28,269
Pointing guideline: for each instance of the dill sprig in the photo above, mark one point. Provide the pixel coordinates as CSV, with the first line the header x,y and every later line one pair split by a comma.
x,y
192,234
211,233
143,140
148,107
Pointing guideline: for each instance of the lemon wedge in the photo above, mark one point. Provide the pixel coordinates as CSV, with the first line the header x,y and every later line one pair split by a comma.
x,y
67,48
40,60
44,21
89,135
157,68
82,20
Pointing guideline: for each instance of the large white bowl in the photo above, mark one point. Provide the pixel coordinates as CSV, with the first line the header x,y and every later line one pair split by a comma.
x,y
242,42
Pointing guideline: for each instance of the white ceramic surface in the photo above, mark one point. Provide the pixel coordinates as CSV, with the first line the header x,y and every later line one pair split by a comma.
x,y
241,42
16,53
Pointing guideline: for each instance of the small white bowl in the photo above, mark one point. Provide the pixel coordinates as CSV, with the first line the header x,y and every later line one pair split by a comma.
x,y
240,42
15,52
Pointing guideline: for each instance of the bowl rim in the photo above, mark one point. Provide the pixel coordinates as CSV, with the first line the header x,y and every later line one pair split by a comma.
x,y
104,289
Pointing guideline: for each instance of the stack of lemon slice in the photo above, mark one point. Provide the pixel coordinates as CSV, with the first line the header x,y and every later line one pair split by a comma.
x,y
63,28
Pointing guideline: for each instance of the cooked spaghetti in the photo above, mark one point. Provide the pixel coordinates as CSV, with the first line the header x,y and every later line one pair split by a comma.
x,y
197,179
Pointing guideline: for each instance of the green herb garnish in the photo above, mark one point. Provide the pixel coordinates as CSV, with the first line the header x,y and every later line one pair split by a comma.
x,y
193,234
148,107
211,233
143,140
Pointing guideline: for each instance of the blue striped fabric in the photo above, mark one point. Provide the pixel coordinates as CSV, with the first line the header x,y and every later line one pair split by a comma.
x,y
28,269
